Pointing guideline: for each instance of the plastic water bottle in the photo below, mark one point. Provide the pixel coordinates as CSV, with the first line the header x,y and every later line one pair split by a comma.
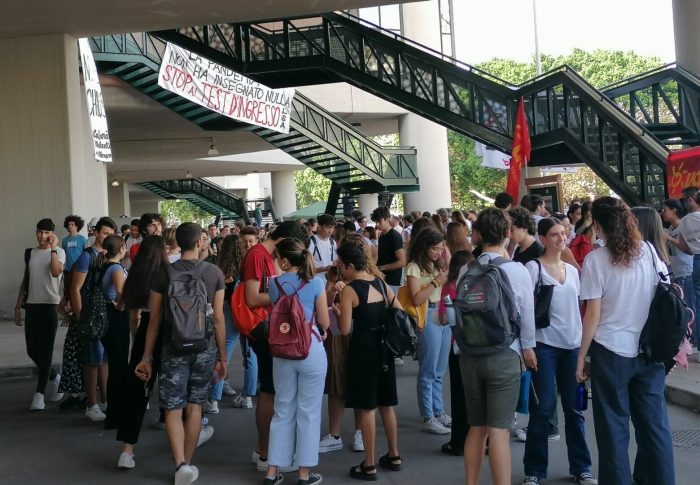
x,y
581,397
451,317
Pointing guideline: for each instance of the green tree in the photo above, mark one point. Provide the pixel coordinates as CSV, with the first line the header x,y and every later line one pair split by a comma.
x,y
310,186
180,210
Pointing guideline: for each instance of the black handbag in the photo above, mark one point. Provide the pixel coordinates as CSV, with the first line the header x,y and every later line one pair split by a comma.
x,y
543,300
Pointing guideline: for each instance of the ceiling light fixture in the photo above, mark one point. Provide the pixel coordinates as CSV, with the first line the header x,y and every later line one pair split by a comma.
x,y
213,152
188,175
115,183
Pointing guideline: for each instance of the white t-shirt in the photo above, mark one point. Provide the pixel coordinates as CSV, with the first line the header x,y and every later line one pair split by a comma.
x,y
564,329
521,284
324,251
625,294
44,288
690,229
406,233
681,263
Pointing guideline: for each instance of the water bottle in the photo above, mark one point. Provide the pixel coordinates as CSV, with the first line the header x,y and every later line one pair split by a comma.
x,y
451,317
581,397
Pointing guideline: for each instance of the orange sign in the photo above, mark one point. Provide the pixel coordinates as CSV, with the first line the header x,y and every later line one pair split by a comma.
x,y
682,170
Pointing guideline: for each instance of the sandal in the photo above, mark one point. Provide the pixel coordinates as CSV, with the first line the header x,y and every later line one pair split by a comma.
x,y
390,462
452,450
363,472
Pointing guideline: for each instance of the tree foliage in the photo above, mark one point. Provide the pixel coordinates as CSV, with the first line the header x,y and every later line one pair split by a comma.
x,y
310,186
179,211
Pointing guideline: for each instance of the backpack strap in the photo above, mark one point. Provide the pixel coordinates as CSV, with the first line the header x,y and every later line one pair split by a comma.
x,y
25,279
316,250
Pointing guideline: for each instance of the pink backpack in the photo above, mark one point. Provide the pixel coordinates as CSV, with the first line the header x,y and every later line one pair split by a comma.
x,y
290,333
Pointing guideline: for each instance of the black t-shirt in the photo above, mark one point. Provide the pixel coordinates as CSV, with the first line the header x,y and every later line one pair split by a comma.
x,y
389,243
535,250
213,277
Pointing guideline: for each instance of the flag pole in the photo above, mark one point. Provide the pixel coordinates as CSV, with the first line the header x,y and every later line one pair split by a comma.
x,y
538,61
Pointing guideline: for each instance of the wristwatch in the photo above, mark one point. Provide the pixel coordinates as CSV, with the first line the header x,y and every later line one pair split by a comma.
x,y
54,251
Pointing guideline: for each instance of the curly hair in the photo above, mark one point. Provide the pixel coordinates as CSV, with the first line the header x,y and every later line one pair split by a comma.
x,y
370,265
521,217
231,256
622,236
418,252
77,220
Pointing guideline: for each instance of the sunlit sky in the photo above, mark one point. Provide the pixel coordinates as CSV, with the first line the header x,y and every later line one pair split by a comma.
x,y
504,28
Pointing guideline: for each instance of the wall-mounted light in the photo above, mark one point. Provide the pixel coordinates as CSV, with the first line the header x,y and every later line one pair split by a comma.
x,y
115,183
213,152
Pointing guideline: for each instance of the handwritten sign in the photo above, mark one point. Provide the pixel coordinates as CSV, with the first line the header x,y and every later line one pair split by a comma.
x,y
224,91
95,103
682,170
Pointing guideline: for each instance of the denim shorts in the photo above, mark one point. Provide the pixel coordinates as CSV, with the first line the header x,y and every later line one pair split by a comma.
x,y
94,353
186,379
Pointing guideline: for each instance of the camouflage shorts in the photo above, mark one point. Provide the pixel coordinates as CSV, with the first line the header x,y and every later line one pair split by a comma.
x,y
186,379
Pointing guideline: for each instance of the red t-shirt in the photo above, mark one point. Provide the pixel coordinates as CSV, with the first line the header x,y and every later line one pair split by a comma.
x,y
133,251
258,265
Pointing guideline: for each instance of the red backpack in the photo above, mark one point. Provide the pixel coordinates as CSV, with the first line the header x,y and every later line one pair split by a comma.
x,y
290,333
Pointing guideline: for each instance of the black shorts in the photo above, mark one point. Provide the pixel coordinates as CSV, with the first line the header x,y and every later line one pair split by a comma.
x,y
262,352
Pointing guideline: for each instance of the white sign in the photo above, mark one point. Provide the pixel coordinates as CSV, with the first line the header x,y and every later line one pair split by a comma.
x,y
224,91
492,158
96,106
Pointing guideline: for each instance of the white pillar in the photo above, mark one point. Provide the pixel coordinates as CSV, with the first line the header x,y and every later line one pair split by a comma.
x,y
686,18
119,203
421,23
46,158
142,206
367,203
283,196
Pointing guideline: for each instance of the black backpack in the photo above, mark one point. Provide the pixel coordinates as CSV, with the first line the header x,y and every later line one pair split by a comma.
x,y
487,320
186,309
399,330
93,323
668,320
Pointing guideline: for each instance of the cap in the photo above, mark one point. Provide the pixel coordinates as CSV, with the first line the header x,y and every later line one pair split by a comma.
x,y
93,222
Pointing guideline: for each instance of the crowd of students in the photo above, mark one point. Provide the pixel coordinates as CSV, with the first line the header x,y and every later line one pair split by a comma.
x,y
344,274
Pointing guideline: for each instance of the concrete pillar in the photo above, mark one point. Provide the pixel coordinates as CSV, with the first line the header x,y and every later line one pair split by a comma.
x,y
46,157
686,18
119,203
367,203
421,23
140,207
283,196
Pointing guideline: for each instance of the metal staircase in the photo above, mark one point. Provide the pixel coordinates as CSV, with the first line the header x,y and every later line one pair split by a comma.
x,y
204,194
317,138
666,100
570,120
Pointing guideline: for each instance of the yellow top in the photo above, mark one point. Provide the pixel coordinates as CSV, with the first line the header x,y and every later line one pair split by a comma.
x,y
424,278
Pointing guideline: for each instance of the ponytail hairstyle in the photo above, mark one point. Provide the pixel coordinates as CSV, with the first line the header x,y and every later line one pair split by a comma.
x,y
293,250
112,245
622,236
352,251
370,265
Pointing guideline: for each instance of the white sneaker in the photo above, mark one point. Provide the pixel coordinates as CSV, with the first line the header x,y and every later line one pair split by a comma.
x,y
95,414
52,394
445,420
530,480
585,478
228,390
195,472
357,444
432,425
126,461
262,467
211,407
242,402
37,402
205,435
205,420
398,361
330,443
255,457
521,434
103,406
185,475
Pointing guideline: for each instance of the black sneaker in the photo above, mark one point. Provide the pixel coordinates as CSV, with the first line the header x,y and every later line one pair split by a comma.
x,y
314,479
274,480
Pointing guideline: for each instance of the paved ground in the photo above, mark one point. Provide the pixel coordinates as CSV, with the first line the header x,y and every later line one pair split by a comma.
x,y
65,448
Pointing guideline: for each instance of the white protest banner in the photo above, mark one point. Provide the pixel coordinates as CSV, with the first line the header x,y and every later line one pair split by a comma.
x,y
492,158
96,106
224,91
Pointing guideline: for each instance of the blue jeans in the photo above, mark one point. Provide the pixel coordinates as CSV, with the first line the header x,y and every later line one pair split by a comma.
x,y
624,387
433,353
251,369
560,364
296,424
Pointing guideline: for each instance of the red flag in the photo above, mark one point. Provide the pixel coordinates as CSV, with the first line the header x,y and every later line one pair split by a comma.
x,y
520,153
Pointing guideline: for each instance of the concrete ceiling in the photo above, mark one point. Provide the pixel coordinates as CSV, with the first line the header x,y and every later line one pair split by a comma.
x,y
96,17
